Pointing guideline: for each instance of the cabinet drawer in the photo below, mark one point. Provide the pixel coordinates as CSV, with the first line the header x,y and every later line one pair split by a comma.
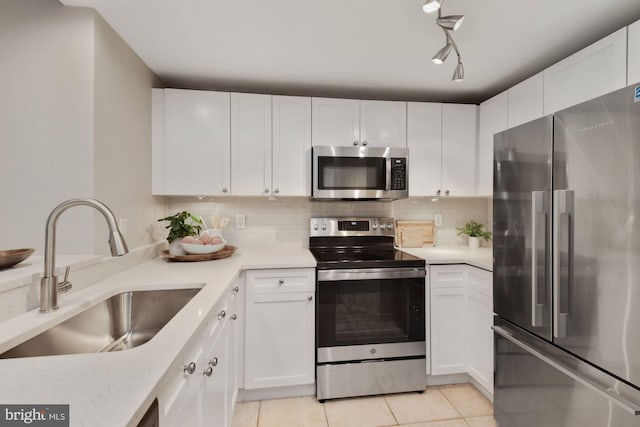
x,y
480,281
281,280
447,275
181,389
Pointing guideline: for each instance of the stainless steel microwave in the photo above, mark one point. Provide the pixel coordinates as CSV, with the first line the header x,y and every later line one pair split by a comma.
x,y
360,173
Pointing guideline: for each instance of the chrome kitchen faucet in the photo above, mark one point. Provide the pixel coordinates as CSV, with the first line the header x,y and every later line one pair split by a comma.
x,y
49,286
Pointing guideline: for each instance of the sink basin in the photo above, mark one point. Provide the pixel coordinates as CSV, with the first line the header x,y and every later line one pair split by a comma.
x,y
118,323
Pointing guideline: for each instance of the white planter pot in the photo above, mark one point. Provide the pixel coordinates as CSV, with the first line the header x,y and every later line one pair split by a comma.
x,y
474,242
175,249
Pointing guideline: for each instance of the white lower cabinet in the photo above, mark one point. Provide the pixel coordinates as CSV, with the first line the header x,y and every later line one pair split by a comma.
x,y
280,319
461,320
204,388
448,324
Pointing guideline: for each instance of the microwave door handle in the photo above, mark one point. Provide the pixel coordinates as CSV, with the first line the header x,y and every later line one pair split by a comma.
x,y
387,185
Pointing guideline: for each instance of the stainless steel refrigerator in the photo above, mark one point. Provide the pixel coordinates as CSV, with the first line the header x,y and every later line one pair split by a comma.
x,y
566,272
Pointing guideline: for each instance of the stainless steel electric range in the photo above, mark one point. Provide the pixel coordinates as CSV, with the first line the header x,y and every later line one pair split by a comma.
x,y
370,310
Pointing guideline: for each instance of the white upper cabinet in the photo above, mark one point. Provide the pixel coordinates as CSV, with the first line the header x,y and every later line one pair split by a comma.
x,y
493,119
526,101
424,140
191,142
353,122
595,70
291,171
458,150
633,76
335,121
250,144
383,123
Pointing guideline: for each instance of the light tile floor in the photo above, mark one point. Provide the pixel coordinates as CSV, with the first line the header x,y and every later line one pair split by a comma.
x,y
460,405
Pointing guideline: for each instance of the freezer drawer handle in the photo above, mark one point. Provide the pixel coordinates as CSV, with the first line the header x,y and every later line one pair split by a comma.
x,y
628,406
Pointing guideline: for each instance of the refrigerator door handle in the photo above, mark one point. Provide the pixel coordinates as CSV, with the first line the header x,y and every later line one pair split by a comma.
x,y
538,208
625,404
563,206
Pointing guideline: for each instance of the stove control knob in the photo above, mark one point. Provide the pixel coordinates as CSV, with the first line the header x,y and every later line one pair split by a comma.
x,y
315,227
389,226
375,226
324,227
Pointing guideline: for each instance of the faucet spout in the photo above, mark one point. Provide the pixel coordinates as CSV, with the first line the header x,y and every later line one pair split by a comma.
x,y
49,282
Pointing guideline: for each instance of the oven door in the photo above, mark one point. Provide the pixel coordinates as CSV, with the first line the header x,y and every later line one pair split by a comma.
x,y
370,314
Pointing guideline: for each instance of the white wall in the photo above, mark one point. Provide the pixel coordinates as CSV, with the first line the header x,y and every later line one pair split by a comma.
x,y
122,138
75,121
46,121
286,220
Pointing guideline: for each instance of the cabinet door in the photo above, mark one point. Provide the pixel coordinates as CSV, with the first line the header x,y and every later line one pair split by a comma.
x,y
424,140
448,320
526,101
291,174
493,119
279,343
191,152
459,149
479,321
250,144
214,386
633,75
335,121
595,70
383,124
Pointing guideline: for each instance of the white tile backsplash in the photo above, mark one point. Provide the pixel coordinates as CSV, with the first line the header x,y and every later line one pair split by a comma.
x,y
285,220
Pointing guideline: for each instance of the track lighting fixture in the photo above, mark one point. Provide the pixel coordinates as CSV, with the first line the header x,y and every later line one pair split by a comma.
x,y
448,24
431,6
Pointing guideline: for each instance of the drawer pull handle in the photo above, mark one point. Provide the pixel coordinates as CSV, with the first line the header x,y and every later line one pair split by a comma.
x,y
190,368
280,282
208,371
222,314
236,290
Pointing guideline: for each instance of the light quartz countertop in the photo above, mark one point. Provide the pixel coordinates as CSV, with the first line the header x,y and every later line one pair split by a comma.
x,y
480,257
115,389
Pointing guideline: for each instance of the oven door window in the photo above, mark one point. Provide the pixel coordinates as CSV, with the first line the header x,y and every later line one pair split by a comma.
x,y
352,173
353,312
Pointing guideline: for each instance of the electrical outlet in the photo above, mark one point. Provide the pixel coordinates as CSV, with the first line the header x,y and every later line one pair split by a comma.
x,y
241,221
437,218
122,225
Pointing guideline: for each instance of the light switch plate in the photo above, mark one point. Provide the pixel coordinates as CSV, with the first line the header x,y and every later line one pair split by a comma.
x,y
437,219
241,221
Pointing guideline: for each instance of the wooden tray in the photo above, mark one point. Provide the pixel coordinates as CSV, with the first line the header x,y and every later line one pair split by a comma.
x,y
225,252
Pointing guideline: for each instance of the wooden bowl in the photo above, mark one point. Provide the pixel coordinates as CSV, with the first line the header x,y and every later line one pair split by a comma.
x,y
12,257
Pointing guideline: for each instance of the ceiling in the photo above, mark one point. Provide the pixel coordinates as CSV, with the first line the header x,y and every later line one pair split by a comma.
x,y
378,49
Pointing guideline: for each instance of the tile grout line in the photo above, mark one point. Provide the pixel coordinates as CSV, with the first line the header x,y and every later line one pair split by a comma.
x,y
324,411
258,417
450,403
391,410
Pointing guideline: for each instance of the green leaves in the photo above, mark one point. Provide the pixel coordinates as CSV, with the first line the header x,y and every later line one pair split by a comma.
x,y
474,229
182,224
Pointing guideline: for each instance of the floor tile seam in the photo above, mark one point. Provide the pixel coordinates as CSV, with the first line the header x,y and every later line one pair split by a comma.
x,y
450,403
391,410
259,410
478,392
324,411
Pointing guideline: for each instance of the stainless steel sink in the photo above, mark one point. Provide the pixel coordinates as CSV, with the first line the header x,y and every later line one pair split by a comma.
x,y
120,322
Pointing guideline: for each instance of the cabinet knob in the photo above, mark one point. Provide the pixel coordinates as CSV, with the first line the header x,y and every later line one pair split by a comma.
x,y
438,193
222,314
213,362
276,191
190,368
225,190
310,298
280,282
266,190
236,290
446,193
208,371
234,317
355,142
364,142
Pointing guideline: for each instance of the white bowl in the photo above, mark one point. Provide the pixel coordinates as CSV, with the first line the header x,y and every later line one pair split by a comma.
x,y
202,249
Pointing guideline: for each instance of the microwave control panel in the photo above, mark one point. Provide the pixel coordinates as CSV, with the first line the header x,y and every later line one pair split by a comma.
x,y
398,174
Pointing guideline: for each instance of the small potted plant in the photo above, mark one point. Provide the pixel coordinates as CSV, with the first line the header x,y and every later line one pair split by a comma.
x,y
181,225
475,231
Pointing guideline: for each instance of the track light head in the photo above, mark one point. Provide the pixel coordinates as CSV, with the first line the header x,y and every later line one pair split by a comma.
x,y
458,73
451,22
442,54
431,6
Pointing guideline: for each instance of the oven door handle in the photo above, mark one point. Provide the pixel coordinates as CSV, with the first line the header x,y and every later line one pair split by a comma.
x,y
370,273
